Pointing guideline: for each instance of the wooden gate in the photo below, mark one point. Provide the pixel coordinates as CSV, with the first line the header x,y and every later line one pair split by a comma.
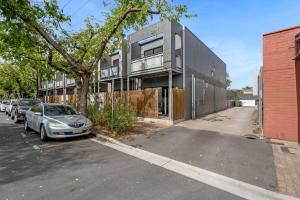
x,y
178,104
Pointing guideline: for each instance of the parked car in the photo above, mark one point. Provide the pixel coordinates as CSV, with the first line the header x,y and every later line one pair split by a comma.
x,y
11,103
20,108
56,121
3,105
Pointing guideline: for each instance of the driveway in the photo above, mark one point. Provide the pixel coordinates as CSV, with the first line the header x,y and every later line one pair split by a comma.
x,y
215,143
234,121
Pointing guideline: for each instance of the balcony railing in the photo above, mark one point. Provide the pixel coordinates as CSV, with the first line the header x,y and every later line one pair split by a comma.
x,y
109,72
70,81
59,83
147,63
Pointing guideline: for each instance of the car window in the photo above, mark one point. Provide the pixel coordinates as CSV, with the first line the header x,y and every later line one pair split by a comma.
x,y
5,102
12,102
29,102
36,108
52,110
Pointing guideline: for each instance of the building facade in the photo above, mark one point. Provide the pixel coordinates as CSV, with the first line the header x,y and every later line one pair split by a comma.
x,y
281,84
167,56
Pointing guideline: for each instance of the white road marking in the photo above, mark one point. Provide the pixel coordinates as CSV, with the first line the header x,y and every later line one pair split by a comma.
x,y
221,182
23,135
36,147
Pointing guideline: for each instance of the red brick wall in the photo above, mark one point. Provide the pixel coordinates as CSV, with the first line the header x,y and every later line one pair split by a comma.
x,y
280,102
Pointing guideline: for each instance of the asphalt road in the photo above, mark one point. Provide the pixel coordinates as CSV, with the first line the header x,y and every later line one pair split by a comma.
x,y
207,143
82,169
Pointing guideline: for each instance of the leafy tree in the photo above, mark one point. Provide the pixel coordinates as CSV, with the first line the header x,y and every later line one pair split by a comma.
x,y
25,23
18,80
228,81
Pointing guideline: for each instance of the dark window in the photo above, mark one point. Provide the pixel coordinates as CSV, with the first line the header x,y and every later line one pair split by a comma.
x,y
148,52
298,46
158,50
29,102
153,51
116,63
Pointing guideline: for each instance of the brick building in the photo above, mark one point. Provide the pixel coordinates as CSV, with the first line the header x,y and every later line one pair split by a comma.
x,y
281,84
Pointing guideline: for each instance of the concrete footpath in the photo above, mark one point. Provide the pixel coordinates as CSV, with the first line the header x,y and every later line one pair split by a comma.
x,y
287,162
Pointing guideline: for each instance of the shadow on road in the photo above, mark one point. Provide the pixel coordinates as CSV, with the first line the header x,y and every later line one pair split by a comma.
x,y
20,160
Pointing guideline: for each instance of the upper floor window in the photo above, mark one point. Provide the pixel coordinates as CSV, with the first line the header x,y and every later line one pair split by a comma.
x,y
154,51
298,44
115,63
177,41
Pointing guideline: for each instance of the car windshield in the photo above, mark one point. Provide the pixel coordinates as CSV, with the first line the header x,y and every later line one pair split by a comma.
x,y
29,102
52,110
5,102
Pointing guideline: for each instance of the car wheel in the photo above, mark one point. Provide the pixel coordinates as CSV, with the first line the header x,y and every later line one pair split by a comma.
x,y
26,125
43,133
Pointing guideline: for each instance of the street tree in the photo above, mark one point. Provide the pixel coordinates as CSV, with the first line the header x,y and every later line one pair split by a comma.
x,y
17,80
44,25
228,81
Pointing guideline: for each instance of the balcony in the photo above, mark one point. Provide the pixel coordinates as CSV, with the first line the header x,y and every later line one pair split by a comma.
x,y
111,72
59,84
70,81
147,63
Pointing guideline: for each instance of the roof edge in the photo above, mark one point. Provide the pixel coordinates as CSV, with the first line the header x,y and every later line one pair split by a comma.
x,y
281,30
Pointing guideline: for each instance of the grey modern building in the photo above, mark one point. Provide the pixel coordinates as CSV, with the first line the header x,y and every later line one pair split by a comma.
x,y
167,55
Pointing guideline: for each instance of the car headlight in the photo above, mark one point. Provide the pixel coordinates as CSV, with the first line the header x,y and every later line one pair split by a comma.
x,y
88,123
21,111
57,125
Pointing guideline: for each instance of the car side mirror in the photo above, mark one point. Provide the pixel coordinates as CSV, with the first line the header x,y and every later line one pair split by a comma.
x,y
38,113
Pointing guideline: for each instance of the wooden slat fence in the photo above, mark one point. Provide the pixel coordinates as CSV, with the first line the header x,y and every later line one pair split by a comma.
x,y
144,102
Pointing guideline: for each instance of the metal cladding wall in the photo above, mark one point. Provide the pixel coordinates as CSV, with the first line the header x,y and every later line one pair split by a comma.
x,y
281,85
210,77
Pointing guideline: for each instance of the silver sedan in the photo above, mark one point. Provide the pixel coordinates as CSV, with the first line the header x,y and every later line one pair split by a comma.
x,y
56,121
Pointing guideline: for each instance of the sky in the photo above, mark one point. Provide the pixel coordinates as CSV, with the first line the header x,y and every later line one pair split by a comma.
x,y
233,29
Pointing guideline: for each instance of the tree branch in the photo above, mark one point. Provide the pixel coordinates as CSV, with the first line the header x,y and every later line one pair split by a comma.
x,y
85,49
52,42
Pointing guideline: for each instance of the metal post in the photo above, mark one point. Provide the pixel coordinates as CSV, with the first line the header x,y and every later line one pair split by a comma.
x,y
98,81
170,97
260,121
64,88
47,92
183,57
193,96
121,89
112,102
128,85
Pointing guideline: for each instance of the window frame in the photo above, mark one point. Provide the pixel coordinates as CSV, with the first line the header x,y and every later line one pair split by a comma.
x,y
297,44
152,51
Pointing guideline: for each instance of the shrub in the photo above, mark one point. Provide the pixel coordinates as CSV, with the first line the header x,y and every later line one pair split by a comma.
x,y
123,118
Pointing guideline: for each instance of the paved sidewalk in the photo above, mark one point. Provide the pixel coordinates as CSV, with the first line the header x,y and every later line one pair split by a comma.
x,y
287,162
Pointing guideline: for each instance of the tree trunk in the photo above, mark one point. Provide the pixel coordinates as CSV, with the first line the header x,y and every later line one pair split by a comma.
x,y
84,94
